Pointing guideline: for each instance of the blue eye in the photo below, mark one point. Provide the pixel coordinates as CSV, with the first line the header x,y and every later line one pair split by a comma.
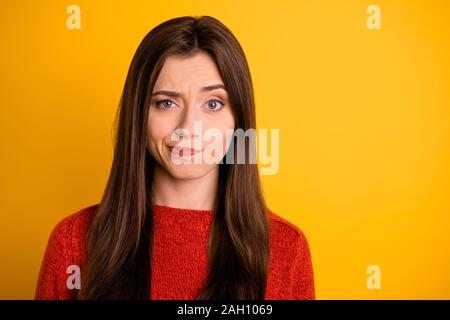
x,y
164,104
214,105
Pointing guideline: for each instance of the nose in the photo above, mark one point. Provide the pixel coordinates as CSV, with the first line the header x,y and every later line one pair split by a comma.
x,y
190,121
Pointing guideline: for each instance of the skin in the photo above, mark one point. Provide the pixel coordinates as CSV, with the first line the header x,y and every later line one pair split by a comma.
x,y
187,185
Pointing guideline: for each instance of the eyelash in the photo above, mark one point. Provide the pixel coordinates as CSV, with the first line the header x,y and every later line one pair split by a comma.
x,y
159,102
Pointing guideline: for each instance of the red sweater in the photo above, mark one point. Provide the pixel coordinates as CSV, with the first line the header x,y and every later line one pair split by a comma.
x,y
180,249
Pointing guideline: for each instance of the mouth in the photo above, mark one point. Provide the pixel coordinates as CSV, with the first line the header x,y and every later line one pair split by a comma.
x,y
184,151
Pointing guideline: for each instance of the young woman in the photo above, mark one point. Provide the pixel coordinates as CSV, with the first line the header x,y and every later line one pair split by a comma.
x,y
168,228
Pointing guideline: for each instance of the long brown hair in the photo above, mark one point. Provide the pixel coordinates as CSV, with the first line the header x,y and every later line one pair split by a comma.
x,y
119,239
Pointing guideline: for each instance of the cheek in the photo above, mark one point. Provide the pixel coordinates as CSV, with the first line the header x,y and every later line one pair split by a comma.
x,y
227,138
225,124
228,126
224,120
158,128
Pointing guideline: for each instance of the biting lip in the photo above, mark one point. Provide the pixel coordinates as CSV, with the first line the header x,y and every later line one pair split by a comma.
x,y
184,151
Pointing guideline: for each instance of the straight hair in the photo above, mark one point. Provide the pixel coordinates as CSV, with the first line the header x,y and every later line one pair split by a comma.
x,y
119,240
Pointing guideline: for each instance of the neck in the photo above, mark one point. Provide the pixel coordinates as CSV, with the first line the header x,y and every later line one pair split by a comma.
x,y
197,194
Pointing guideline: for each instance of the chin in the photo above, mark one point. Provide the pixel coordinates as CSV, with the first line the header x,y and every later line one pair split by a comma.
x,y
189,171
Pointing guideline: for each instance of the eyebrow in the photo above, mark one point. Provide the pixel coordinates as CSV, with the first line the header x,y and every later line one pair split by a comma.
x,y
177,94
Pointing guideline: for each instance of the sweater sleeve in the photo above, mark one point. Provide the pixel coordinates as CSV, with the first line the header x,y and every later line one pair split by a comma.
x,y
303,275
51,284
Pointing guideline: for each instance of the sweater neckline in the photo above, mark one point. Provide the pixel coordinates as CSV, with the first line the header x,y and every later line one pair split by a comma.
x,y
176,220
158,208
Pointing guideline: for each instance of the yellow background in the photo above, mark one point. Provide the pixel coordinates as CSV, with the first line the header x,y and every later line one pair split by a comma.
x,y
364,118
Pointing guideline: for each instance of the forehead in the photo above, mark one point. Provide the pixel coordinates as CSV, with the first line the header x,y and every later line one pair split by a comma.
x,y
187,72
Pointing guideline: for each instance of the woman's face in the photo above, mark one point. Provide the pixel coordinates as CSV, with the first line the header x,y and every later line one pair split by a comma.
x,y
190,121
